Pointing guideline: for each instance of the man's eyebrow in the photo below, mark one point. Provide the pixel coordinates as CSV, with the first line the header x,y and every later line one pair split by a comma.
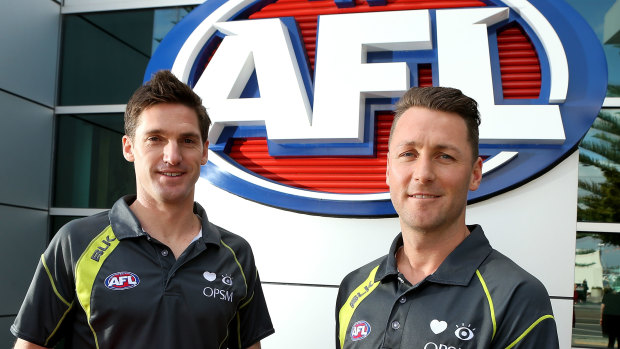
x,y
438,146
190,134
449,147
162,131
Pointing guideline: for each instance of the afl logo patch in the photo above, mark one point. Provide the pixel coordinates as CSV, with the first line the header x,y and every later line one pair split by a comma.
x,y
122,281
360,330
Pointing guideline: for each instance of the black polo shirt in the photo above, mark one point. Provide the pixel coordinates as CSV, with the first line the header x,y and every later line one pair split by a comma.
x,y
477,298
105,283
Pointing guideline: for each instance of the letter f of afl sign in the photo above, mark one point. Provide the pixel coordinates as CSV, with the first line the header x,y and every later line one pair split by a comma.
x,y
301,93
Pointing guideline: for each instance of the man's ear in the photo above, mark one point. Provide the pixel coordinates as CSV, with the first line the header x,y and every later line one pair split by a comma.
x,y
205,153
387,170
128,149
476,175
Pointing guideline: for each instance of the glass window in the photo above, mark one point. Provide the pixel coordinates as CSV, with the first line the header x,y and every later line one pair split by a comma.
x,y
604,17
599,170
104,55
90,169
597,289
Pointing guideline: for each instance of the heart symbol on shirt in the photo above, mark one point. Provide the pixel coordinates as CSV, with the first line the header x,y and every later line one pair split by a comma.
x,y
438,326
209,276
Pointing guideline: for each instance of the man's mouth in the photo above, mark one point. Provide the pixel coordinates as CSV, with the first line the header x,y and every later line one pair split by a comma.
x,y
423,196
171,174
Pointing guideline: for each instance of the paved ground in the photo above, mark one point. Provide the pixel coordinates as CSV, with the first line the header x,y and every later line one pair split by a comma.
x,y
587,332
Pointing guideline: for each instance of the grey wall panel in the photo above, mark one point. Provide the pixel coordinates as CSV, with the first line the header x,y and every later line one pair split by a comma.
x,y
26,152
23,236
29,48
6,339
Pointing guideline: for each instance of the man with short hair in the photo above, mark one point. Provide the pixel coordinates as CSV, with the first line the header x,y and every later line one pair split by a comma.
x,y
152,272
441,285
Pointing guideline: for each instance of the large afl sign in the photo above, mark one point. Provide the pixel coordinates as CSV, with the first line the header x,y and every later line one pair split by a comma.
x,y
301,92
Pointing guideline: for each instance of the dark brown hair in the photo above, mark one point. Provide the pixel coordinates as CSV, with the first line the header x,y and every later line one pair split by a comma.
x,y
445,99
164,87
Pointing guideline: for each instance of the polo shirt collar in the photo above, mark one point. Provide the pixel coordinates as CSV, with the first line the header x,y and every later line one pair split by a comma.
x,y
457,269
126,225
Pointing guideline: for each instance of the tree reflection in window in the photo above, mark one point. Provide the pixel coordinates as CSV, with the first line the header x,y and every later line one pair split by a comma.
x,y
599,177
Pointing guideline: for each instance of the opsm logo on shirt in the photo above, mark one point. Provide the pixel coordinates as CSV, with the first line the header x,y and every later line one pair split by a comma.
x,y
301,93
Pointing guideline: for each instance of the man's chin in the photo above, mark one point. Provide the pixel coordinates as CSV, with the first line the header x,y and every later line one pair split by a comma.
x,y
174,197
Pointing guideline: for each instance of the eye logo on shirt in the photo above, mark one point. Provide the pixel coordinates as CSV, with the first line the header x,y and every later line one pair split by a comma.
x,y
122,281
360,330
464,332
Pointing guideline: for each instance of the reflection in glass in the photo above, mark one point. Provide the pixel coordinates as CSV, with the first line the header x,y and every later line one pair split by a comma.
x,y
597,282
104,55
90,169
599,170
604,18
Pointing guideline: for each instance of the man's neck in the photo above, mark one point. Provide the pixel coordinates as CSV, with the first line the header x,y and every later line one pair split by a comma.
x,y
174,225
423,252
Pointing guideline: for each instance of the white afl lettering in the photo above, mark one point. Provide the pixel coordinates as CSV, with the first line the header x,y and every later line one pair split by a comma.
x,y
360,331
265,46
344,80
333,107
122,280
464,63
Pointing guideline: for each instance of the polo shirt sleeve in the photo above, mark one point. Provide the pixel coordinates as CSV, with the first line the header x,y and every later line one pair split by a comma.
x,y
527,321
252,322
339,302
49,301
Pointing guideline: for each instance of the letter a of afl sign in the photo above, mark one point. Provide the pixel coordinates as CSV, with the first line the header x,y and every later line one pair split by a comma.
x,y
301,92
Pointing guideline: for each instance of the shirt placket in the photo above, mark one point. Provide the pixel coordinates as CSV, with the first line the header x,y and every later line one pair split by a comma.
x,y
398,316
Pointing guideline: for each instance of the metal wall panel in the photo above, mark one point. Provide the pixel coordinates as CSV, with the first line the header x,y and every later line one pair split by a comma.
x,y
30,51
23,236
6,339
26,152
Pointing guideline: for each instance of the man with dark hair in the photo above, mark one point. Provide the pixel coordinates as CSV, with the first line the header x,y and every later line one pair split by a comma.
x,y
152,272
441,285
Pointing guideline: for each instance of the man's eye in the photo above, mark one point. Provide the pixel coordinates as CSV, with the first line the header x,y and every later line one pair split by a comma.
x,y
153,139
446,157
406,154
189,141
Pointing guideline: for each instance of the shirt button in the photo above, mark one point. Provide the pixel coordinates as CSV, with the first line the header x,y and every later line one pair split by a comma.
x,y
395,324
403,299
164,253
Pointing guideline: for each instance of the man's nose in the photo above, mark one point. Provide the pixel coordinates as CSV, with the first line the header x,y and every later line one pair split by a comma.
x,y
172,153
423,170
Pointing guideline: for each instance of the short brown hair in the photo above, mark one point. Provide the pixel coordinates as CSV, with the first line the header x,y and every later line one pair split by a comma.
x,y
445,99
164,87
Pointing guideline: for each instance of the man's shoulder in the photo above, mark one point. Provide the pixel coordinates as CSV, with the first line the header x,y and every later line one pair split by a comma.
x,y
234,241
359,275
83,230
500,267
521,303
510,284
